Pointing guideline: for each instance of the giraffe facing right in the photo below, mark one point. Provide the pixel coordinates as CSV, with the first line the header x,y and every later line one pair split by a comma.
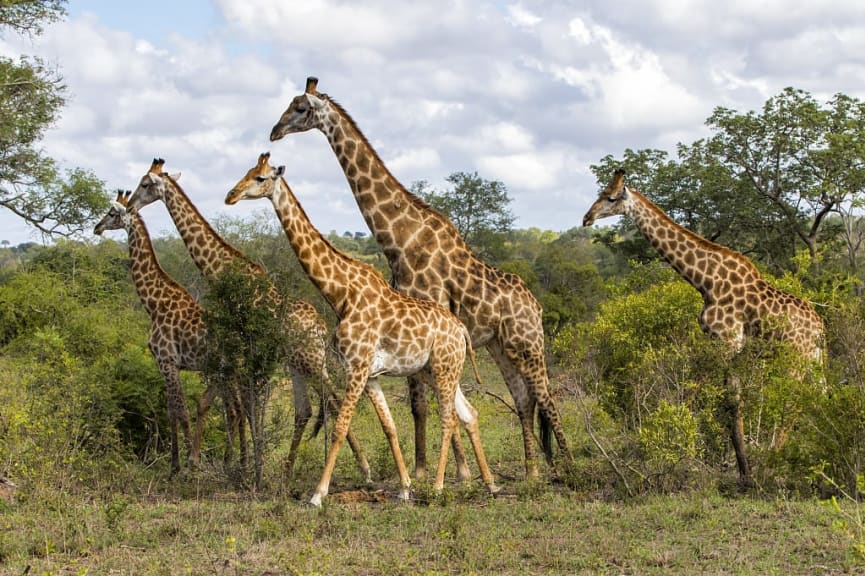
x,y
380,331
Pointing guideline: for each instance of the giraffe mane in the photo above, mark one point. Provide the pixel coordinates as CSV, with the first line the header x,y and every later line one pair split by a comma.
x,y
234,251
340,254
696,238
414,199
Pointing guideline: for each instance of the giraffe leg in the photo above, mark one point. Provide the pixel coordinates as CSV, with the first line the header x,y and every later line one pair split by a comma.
x,y
355,385
302,414
178,417
374,391
448,423
417,395
524,404
424,377
532,368
469,417
204,404
737,431
362,463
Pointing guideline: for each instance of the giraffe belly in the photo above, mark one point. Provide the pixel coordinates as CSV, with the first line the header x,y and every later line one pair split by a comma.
x,y
391,364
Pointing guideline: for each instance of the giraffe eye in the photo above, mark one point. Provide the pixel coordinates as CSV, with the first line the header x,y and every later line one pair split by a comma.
x,y
301,110
260,179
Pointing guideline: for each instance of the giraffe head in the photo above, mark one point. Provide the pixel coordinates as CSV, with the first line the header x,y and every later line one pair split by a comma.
x,y
153,186
117,217
304,112
259,182
611,201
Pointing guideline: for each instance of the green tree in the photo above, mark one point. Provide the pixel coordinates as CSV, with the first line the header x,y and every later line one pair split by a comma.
x,y
766,183
477,207
31,91
246,342
771,152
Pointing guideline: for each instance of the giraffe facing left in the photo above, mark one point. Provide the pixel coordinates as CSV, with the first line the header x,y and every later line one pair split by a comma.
x,y
212,254
379,332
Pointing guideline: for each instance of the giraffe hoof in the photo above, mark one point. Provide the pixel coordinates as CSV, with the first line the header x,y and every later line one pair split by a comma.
x,y
315,501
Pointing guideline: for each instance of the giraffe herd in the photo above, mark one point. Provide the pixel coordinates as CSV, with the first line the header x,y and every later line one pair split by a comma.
x,y
441,303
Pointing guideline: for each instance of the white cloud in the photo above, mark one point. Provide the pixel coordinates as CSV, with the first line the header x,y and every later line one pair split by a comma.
x,y
528,92
522,18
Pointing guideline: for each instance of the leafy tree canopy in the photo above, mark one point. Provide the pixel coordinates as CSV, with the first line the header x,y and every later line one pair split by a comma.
x,y
31,96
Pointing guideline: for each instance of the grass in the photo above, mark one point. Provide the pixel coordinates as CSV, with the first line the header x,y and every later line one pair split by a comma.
x,y
551,533
197,523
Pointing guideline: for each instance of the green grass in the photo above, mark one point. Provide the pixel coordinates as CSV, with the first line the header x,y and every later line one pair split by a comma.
x,y
197,523
554,532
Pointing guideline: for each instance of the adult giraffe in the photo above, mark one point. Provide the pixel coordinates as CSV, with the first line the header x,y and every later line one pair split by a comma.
x,y
379,331
212,255
177,331
430,260
737,302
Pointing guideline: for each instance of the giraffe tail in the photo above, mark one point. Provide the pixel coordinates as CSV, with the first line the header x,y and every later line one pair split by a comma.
x,y
471,353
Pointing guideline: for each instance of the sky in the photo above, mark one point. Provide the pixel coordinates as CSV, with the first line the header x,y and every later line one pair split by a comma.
x,y
527,93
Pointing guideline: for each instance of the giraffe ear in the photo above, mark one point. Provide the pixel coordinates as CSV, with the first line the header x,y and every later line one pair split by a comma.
x,y
280,171
175,176
315,100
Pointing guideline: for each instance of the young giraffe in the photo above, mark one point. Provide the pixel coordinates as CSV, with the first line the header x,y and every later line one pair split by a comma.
x,y
737,302
212,254
379,331
177,330
430,260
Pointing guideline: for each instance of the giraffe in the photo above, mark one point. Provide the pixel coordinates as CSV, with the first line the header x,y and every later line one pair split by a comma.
x,y
379,332
177,330
737,302
430,260
212,254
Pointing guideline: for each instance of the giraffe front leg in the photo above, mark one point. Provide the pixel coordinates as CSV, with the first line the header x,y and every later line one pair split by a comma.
x,y
737,431
374,391
354,387
332,407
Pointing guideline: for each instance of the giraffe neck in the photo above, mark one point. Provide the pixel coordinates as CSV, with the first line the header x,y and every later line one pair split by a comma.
x,y
392,213
694,258
208,250
340,279
151,281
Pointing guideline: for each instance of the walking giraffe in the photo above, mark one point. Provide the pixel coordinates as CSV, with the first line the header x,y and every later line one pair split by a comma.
x,y
430,260
306,361
177,331
737,302
380,331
